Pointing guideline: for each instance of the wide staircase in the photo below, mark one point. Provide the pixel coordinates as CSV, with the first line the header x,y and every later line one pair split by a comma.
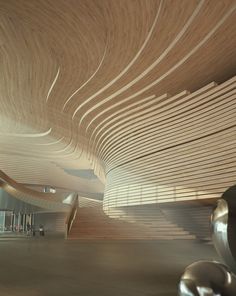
x,y
193,218
93,223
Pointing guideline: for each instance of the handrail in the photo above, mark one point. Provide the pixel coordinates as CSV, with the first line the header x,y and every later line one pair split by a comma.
x,y
71,216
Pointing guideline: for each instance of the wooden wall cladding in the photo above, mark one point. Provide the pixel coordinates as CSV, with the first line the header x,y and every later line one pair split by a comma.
x,y
183,150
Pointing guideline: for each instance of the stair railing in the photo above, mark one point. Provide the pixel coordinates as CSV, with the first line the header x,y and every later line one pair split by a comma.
x,y
71,216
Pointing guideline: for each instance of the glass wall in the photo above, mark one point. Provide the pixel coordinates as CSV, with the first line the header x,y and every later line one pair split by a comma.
x,y
6,221
17,222
2,221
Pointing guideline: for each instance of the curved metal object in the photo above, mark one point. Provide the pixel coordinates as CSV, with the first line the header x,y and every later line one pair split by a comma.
x,y
223,222
206,278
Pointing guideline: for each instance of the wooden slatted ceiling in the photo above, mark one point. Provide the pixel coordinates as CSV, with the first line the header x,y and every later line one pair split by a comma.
x,y
124,87
165,124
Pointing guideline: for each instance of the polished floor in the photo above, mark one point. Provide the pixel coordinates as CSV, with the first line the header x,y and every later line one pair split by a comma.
x,y
53,267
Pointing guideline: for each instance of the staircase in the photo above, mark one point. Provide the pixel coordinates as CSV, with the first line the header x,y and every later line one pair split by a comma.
x,y
93,223
194,219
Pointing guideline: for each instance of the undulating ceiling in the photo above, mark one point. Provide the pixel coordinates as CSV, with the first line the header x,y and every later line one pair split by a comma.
x,y
141,92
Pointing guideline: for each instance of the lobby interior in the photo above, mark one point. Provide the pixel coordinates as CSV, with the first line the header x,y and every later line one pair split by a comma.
x,y
117,138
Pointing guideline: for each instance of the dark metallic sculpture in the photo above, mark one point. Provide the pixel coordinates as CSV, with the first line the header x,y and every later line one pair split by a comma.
x,y
206,278
224,227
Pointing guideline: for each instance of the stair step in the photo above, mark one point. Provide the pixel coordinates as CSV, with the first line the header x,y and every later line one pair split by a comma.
x,y
93,223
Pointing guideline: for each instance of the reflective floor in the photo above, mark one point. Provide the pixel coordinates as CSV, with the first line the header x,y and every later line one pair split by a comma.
x,y
54,267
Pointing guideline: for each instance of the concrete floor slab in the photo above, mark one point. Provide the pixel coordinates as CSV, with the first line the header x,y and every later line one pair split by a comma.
x,y
55,267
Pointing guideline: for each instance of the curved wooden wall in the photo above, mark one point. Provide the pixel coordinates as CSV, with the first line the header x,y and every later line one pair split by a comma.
x,y
125,88
183,150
